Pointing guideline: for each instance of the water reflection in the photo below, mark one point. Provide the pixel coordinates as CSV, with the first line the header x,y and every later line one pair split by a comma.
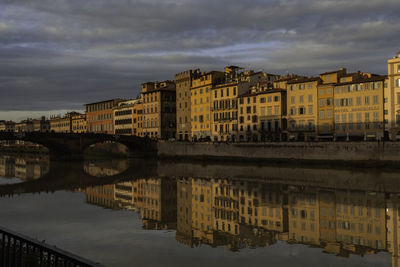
x,y
341,212
26,168
239,213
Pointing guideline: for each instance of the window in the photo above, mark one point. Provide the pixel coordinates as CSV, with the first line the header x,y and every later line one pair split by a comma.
x,y
358,100
321,114
292,111
309,98
262,100
375,100
269,99
329,114
302,111
321,102
301,99
398,68
276,110
292,100
366,100
398,82
310,110
276,98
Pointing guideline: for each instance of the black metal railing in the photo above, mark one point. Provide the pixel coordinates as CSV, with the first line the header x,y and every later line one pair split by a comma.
x,y
22,251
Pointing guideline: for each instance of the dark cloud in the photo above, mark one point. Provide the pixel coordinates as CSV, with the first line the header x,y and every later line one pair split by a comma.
x,y
60,54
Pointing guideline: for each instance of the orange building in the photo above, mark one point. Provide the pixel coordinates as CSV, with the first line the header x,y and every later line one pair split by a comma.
x,y
99,116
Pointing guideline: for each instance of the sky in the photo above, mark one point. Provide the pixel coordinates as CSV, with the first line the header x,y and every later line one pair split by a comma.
x,y
57,55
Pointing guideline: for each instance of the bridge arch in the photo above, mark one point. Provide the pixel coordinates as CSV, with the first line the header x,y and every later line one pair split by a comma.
x,y
70,145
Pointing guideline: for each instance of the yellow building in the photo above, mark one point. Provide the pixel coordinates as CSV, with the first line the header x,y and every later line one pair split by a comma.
x,y
200,96
302,108
184,211
202,221
392,97
159,109
359,109
264,119
325,112
79,123
137,118
225,207
225,101
303,216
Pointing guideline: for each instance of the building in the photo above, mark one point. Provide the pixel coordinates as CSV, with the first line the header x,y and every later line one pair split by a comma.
x,y
137,118
302,108
359,109
102,195
262,114
200,95
41,125
24,126
183,82
224,98
62,124
159,109
392,97
79,123
99,116
7,126
123,117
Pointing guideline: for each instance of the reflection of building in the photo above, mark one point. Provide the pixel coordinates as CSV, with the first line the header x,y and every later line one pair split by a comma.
x,y
7,166
184,212
393,228
101,196
158,203
26,168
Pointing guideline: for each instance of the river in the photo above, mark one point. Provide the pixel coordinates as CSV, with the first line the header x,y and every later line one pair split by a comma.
x,y
166,213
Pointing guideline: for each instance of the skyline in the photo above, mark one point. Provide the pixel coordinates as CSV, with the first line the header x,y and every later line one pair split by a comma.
x,y
56,57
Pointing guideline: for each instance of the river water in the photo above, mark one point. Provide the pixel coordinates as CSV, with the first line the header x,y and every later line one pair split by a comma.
x,y
149,213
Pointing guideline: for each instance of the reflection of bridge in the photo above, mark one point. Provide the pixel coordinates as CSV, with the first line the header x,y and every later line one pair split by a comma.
x,y
68,145
71,175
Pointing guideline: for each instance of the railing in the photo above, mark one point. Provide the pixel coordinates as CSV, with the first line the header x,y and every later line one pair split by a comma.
x,y
19,250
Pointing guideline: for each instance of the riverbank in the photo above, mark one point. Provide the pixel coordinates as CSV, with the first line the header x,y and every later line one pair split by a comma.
x,y
363,154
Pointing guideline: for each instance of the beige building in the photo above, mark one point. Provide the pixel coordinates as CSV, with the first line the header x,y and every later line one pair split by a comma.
x,y
137,118
79,123
123,117
392,97
159,110
41,125
359,109
7,126
24,126
62,124
183,82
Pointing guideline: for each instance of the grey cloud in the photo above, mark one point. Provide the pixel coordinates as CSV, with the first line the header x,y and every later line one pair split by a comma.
x,y
59,54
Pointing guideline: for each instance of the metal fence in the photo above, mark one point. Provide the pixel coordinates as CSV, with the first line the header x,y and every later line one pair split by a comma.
x,y
18,250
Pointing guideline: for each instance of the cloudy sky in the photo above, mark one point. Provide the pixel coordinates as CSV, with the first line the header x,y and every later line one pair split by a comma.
x,y
56,55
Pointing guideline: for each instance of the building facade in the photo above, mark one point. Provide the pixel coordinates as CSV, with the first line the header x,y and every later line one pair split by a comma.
x,y
200,95
99,116
79,123
392,97
359,109
183,82
123,117
159,110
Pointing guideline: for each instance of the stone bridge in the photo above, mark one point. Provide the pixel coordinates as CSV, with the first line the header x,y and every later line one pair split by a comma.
x,y
72,146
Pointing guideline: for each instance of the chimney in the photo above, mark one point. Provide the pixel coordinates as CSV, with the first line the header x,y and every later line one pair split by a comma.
x,y
398,54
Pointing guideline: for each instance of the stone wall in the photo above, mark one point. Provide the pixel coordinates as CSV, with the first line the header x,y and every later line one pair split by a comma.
x,y
344,151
